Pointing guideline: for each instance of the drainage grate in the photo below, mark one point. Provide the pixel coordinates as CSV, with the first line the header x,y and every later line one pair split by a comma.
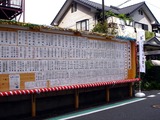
x,y
156,106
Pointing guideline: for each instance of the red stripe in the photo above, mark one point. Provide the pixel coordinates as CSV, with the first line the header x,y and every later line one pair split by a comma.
x,y
53,89
15,93
23,92
49,89
80,86
20,92
6,93
1,94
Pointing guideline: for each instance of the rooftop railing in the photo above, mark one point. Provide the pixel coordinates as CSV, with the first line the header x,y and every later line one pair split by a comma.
x,y
11,3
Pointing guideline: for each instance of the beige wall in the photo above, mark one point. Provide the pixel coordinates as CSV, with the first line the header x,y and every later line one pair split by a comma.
x,y
70,19
142,19
82,13
122,29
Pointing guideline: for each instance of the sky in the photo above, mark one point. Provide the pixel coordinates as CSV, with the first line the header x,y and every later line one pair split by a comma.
x,y
44,11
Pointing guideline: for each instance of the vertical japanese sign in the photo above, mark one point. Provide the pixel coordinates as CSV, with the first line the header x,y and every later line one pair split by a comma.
x,y
141,39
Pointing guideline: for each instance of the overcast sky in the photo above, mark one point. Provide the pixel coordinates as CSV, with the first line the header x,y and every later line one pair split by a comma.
x,y
44,11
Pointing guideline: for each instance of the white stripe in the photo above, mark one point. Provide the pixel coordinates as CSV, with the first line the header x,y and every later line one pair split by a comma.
x,y
151,96
158,93
107,108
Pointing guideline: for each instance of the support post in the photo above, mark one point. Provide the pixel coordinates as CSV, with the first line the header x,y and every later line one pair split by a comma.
x,y
130,89
76,99
107,94
33,105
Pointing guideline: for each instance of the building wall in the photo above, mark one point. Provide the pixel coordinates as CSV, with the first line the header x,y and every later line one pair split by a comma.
x,y
142,19
82,13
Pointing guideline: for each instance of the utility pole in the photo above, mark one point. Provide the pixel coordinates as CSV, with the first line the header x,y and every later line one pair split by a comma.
x,y
103,12
23,9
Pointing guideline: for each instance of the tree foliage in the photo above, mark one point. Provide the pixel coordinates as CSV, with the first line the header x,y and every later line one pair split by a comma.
x,y
149,35
101,27
105,27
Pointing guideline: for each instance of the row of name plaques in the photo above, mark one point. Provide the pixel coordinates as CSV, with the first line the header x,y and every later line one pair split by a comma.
x,y
19,52
62,59
27,38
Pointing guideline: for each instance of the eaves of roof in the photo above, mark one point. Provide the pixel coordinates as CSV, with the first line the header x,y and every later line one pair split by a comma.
x,y
126,10
155,39
62,11
152,45
95,5
86,3
132,8
152,14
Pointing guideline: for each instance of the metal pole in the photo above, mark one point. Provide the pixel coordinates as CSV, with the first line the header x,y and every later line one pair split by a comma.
x,y
140,36
103,11
139,87
23,8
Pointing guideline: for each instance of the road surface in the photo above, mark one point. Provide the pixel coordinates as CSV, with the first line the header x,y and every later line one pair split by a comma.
x,y
147,108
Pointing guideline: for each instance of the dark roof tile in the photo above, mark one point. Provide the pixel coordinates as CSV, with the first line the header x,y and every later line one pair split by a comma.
x,y
97,5
130,9
116,10
126,10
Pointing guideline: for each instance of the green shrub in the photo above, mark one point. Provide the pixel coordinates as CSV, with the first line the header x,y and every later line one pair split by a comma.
x,y
151,79
101,27
149,35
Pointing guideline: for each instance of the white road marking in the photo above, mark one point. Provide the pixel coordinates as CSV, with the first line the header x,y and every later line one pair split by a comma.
x,y
102,109
151,96
158,93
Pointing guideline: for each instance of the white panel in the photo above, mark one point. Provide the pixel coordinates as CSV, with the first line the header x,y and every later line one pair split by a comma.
x,y
62,59
14,82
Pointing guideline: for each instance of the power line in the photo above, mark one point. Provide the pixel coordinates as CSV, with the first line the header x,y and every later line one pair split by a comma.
x,y
153,5
123,3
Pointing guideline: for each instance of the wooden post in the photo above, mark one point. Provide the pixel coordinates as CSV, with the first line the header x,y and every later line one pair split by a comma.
x,y
130,89
76,99
107,94
33,105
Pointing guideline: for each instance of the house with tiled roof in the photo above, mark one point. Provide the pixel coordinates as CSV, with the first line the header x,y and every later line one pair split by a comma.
x,y
84,15
152,48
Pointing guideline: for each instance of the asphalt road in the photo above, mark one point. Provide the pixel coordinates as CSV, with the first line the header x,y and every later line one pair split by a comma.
x,y
133,109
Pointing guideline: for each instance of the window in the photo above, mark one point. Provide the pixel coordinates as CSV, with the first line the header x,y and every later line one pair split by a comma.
x,y
140,12
83,25
141,26
138,25
73,7
145,27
